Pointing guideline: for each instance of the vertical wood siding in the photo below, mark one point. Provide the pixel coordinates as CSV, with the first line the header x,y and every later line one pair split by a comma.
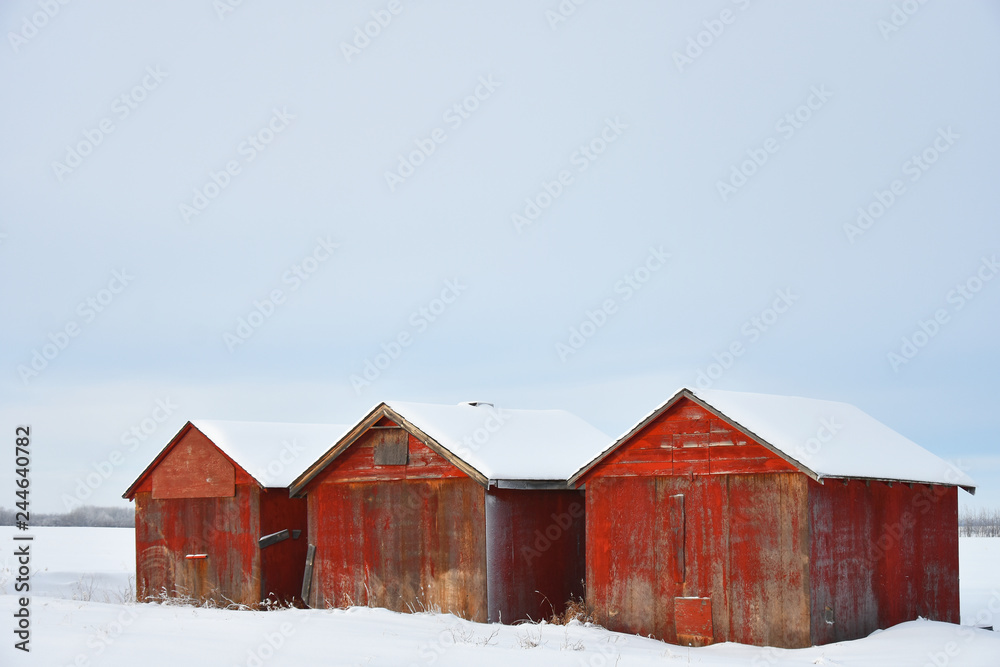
x,y
404,537
745,533
786,561
223,528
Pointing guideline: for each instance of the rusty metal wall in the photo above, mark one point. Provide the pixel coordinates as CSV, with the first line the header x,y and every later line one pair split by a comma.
x,y
535,552
405,537
744,546
225,529
742,542
405,545
881,555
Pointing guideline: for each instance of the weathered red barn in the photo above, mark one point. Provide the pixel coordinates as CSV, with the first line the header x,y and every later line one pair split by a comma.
x,y
768,520
462,508
213,516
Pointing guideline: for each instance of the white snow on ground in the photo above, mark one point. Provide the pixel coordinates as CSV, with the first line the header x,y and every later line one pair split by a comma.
x,y
83,633
979,581
73,563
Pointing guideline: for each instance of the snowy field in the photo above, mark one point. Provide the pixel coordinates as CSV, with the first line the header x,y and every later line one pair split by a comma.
x,y
80,576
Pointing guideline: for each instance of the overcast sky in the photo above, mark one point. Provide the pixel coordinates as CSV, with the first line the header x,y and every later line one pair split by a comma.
x,y
232,212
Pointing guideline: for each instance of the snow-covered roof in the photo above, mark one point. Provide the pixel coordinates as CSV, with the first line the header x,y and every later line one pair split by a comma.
x,y
825,438
487,442
508,444
273,453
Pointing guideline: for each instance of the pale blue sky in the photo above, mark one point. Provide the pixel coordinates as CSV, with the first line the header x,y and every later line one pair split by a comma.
x,y
828,104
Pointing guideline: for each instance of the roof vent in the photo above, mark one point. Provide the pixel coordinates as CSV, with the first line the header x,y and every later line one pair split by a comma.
x,y
476,404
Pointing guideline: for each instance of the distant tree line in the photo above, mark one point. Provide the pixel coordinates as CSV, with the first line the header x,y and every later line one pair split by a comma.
x,y
979,522
87,515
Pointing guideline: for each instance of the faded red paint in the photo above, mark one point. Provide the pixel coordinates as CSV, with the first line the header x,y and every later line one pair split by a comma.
x,y
405,545
226,528
536,546
194,468
282,564
694,621
744,546
404,537
881,555
771,548
424,535
168,530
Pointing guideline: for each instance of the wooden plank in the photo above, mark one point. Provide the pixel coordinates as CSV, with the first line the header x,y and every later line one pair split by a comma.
x,y
768,560
694,621
622,552
676,527
281,564
690,460
308,573
273,538
390,447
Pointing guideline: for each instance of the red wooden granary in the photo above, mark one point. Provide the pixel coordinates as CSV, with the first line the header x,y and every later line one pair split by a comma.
x,y
462,508
213,516
768,520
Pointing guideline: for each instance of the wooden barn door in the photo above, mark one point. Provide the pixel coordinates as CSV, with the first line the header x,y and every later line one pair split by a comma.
x,y
692,615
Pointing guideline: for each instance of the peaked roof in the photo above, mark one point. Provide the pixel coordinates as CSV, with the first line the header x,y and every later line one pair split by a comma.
x,y
821,438
273,453
485,442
